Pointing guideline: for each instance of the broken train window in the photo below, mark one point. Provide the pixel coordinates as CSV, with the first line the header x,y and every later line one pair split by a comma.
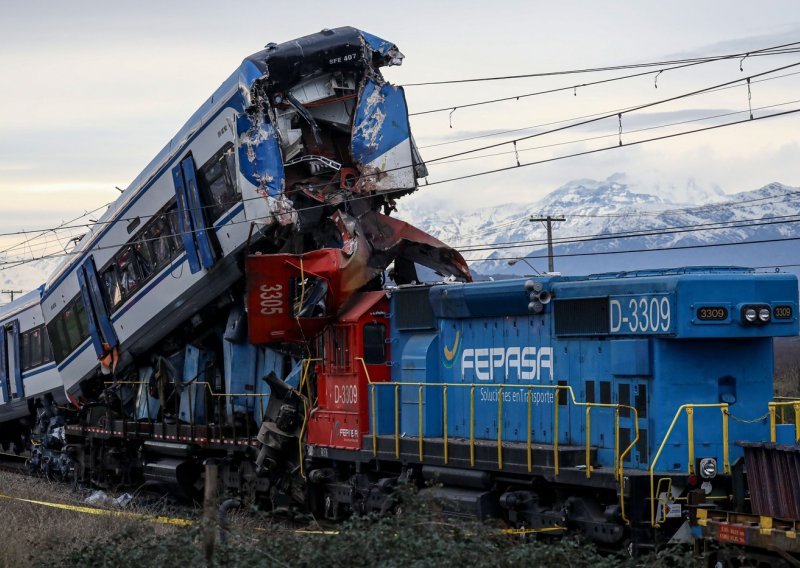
x,y
217,183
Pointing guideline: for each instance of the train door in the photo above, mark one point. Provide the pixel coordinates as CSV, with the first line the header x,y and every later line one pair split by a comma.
x,y
194,232
11,385
101,329
633,393
10,362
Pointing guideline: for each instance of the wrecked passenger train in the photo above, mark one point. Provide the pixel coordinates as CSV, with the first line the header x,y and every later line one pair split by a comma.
x,y
299,147
304,147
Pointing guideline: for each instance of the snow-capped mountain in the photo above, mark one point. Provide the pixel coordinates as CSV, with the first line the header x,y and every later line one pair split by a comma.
x,y
616,225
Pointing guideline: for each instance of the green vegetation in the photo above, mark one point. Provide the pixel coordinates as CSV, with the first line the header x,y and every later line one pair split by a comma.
x,y
418,535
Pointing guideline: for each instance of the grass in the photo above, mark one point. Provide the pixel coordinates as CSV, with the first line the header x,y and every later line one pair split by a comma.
x,y
417,536
31,534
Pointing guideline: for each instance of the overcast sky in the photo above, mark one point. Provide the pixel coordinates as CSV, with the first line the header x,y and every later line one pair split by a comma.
x,y
92,90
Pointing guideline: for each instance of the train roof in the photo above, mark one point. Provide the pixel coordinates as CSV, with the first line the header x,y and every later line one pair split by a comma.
x,y
281,65
20,304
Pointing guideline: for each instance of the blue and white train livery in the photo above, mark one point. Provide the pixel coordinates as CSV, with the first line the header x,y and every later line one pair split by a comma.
x,y
297,130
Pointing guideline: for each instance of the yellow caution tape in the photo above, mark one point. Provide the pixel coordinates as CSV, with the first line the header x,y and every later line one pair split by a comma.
x,y
186,522
532,531
96,511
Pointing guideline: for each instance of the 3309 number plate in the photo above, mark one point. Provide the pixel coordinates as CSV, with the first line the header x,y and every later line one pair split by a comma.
x,y
640,315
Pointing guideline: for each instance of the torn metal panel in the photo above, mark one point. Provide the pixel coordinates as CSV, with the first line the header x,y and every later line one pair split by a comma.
x,y
381,141
393,240
261,164
291,297
385,48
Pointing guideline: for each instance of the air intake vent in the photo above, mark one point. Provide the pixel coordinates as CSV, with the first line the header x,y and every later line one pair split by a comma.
x,y
583,316
412,309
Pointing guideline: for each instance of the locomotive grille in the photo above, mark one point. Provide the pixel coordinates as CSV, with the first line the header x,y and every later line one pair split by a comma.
x,y
582,316
413,309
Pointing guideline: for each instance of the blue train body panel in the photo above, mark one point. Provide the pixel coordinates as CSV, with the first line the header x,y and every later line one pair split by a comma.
x,y
649,342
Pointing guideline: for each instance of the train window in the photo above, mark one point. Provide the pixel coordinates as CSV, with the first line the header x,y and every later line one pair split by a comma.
x,y
144,257
341,348
153,247
161,240
35,345
640,402
605,392
174,228
218,189
129,276
47,346
71,327
58,338
111,284
590,391
374,343
25,351
624,398
83,320
68,329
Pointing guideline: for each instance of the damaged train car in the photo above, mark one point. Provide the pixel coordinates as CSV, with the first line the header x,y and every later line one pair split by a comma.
x,y
303,150
300,149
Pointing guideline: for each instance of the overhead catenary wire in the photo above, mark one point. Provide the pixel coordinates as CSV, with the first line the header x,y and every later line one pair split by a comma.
x,y
561,121
441,158
390,192
669,230
614,114
649,249
777,49
497,170
7,264
517,151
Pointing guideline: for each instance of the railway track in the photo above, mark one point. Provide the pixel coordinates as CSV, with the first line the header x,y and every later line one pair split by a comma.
x,y
13,462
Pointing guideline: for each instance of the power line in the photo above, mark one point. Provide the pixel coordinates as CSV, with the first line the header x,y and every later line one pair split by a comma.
x,y
400,190
621,145
477,149
574,88
653,249
614,115
612,112
774,50
615,135
488,172
700,227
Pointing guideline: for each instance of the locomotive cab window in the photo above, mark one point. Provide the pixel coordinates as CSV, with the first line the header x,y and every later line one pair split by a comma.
x,y
374,343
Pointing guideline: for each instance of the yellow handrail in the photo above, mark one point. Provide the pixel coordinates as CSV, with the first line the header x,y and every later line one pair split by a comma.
x,y
619,459
206,384
795,404
689,408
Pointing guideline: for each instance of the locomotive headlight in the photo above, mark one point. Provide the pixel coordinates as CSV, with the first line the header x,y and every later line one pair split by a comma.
x,y
755,314
708,468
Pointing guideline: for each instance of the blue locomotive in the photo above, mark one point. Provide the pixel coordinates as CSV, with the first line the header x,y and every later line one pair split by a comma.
x,y
596,403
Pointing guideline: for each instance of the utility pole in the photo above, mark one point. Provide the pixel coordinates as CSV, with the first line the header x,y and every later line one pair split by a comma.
x,y
11,292
548,221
